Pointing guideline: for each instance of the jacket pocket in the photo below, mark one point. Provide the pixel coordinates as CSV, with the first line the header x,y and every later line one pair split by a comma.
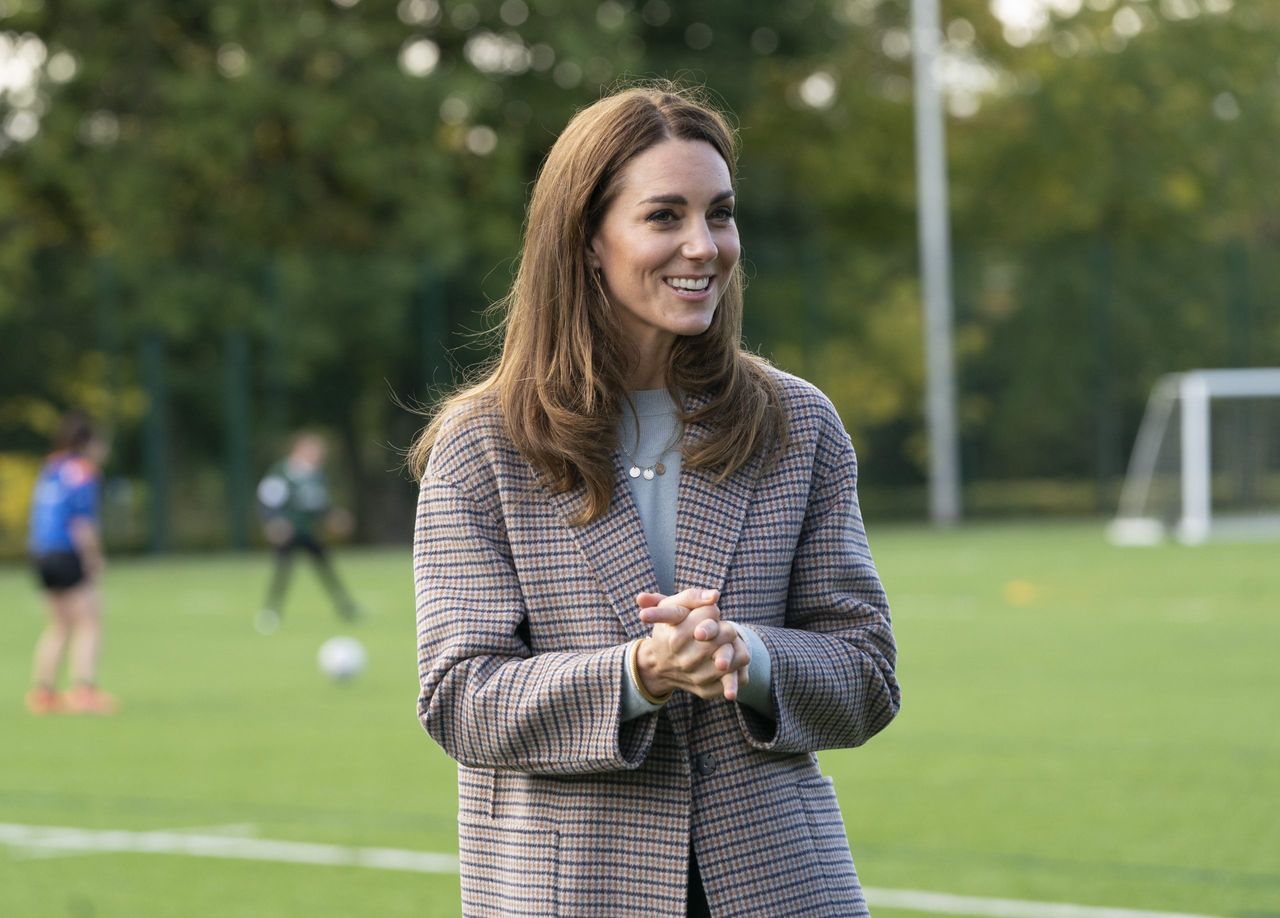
x,y
831,845
509,869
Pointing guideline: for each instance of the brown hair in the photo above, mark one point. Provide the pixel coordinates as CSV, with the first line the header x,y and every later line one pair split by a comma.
x,y
560,379
75,432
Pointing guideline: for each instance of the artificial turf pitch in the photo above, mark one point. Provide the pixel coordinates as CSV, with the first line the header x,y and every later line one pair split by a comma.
x,y
1081,724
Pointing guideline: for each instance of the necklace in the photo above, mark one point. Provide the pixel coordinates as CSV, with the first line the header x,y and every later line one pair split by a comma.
x,y
638,469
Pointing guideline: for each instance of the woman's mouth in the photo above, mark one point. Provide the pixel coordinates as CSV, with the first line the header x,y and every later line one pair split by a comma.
x,y
690,286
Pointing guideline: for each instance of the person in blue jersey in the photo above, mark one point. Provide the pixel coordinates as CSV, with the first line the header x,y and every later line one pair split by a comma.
x,y
65,542
296,509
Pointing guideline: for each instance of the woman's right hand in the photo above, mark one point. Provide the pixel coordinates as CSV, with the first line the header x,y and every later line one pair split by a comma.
x,y
691,647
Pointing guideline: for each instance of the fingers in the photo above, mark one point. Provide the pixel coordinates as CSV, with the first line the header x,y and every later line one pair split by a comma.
x,y
694,598
671,610
664,615
690,599
731,683
729,686
706,655
716,633
723,634
732,656
722,685
722,659
733,680
708,630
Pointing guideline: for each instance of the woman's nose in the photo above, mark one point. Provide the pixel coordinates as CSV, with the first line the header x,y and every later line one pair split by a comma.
x,y
700,245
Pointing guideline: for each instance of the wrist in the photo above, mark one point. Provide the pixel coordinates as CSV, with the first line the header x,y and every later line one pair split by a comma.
x,y
644,670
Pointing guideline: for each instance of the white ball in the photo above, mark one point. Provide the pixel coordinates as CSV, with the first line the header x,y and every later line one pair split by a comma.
x,y
342,658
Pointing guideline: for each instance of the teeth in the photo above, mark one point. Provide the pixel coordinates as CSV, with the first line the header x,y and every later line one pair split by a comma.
x,y
689,283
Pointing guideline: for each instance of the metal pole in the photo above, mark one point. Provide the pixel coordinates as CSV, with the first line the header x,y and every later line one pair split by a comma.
x,y
156,446
275,380
235,383
1106,435
109,334
935,257
1193,528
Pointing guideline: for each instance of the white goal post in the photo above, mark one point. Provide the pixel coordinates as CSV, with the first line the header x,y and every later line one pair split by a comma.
x,y
1206,463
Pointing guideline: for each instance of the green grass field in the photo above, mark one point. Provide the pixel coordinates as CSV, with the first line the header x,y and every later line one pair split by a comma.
x,y
1081,724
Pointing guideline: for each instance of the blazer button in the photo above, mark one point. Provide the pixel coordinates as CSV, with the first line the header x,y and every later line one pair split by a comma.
x,y
706,764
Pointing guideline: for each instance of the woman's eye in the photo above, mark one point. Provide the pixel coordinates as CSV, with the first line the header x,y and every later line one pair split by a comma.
x,y
722,213
662,216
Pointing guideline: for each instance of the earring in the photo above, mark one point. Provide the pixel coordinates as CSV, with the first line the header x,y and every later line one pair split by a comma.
x,y
598,276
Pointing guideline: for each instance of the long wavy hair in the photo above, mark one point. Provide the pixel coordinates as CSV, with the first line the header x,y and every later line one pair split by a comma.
x,y
561,377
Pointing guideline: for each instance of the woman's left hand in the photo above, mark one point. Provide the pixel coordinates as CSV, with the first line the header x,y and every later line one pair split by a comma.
x,y
731,654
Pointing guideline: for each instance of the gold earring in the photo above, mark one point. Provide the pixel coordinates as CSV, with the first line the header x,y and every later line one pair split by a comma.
x,y
598,276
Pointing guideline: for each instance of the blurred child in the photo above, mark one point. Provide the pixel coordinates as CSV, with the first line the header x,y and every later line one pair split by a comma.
x,y
295,505
66,550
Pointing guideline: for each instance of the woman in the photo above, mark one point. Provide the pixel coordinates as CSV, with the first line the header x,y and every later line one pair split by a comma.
x,y
644,592
66,551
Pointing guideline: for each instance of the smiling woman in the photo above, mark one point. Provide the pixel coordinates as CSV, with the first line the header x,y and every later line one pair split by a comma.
x,y
666,248
644,592
582,332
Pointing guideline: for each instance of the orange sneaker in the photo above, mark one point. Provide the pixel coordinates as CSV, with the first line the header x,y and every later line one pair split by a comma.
x,y
44,701
85,699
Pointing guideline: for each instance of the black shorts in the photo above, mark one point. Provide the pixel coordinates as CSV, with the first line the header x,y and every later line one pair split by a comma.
x,y
304,541
59,570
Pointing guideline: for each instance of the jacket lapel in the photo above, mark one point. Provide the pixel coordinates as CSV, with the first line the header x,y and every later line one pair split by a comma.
x,y
614,547
709,516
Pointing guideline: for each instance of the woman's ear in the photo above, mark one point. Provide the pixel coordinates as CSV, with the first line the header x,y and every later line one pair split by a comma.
x,y
593,260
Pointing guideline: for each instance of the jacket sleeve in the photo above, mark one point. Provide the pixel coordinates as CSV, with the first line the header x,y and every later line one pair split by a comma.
x,y
832,665
485,697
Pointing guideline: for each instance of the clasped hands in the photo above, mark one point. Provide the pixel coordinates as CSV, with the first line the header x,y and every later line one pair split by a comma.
x,y
691,647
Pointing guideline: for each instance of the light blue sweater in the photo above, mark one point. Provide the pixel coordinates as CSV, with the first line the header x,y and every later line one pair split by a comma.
x,y
650,435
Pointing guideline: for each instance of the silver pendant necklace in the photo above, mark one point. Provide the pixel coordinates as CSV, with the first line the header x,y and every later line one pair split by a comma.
x,y
637,469
647,472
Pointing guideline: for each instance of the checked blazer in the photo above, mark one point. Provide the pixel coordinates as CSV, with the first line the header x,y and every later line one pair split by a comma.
x,y
523,624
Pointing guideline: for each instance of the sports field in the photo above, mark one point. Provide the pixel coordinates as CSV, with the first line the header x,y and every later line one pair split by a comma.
x,y
1081,724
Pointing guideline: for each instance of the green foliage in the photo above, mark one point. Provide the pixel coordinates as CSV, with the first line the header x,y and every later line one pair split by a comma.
x,y
17,477
345,182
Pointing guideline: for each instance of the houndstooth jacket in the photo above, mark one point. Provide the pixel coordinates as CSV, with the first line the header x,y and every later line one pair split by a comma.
x,y
523,623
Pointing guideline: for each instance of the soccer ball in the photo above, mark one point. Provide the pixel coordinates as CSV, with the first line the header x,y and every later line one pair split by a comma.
x,y
341,658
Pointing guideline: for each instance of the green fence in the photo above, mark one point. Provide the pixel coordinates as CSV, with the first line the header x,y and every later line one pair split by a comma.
x,y
204,369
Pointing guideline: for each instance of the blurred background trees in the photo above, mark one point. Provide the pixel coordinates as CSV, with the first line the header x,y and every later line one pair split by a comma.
x,y
220,221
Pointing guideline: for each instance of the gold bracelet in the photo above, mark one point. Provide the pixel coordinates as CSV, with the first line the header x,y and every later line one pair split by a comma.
x,y
633,665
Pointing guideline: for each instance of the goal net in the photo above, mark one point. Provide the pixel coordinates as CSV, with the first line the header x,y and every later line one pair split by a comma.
x,y
1206,463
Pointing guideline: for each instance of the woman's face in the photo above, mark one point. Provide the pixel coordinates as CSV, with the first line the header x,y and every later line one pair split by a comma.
x,y
667,244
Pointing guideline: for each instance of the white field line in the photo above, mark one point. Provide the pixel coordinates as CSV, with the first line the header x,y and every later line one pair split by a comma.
x,y
85,841
946,904
46,851
64,840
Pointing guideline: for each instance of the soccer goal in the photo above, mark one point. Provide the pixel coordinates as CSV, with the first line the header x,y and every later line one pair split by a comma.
x,y
1206,463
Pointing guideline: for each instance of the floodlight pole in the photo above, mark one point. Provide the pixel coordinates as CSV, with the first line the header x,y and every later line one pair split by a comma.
x,y
935,259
